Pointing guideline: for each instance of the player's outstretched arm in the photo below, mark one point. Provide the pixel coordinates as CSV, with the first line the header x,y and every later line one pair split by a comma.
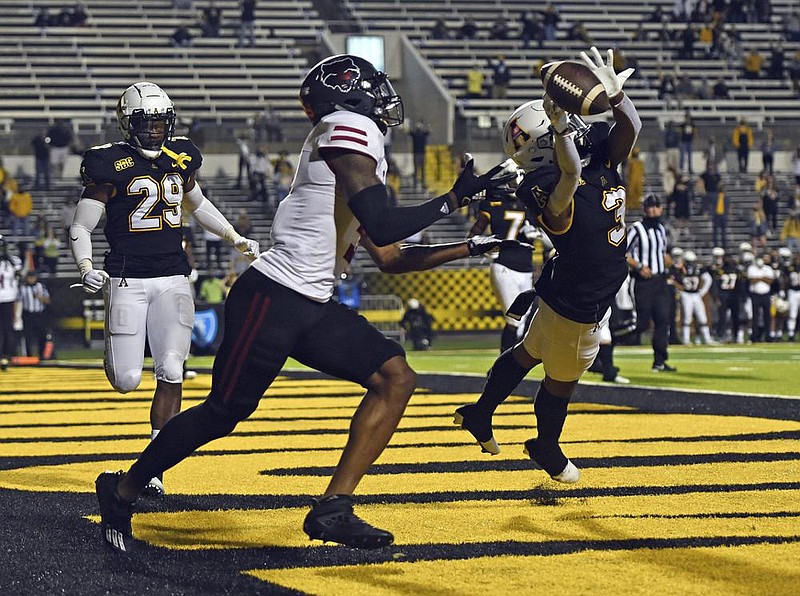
x,y
210,218
627,123
397,258
386,224
88,213
569,165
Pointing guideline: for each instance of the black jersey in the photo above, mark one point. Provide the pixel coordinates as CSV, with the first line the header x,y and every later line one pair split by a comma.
x,y
507,215
689,278
727,279
792,276
143,215
581,281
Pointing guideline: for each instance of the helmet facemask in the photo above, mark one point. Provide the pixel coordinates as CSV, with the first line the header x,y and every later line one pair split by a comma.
x,y
150,131
388,104
146,118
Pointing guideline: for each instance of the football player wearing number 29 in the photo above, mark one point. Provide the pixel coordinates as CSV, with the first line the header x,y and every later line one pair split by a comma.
x,y
572,184
281,306
142,184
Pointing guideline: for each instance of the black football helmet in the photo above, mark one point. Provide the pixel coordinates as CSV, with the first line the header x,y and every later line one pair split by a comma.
x,y
349,83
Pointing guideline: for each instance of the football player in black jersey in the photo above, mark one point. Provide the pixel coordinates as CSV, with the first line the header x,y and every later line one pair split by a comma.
x,y
573,186
142,185
792,273
511,272
728,291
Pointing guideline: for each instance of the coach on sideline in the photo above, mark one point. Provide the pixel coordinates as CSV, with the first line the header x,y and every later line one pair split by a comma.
x,y
649,262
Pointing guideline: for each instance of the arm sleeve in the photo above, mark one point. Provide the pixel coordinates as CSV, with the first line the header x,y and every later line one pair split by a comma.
x,y
207,215
87,216
386,225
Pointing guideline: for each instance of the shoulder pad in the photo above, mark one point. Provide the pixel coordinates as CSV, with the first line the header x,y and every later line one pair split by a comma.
x,y
97,165
184,153
536,187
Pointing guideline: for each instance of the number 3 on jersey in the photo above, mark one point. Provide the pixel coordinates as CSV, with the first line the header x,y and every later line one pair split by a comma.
x,y
614,200
145,218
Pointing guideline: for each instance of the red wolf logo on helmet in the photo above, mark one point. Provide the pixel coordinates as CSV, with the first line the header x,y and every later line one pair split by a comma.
x,y
342,75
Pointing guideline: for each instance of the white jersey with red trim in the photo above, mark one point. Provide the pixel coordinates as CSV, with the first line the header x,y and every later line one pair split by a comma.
x,y
314,233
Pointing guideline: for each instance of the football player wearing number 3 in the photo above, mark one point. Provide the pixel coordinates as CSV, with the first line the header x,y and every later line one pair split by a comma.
x,y
572,183
142,184
282,305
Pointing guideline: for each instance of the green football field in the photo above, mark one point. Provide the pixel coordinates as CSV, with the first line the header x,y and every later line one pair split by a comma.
x,y
765,369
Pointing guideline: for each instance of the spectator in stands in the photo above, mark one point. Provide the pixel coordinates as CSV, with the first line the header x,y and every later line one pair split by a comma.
x,y
758,227
182,37
743,141
43,20
51,248
260,167
20,205
688,39
720,90
475,78
73,16
243,146
681,203
578,32
762,10
634,179
685,89
212,290
770,200
211,20
34,298
419,142
657,15
60,139
720,214
737,11
531,29
550,19
282,174
777,58
468,29
440,30
672,141
501,77
268,127
499,29
768,152
753,62
10,268
213,251
418,324
790,231
712,155
794,72
247,23
41,157
667,88
688,134
791,26
708,184
760,182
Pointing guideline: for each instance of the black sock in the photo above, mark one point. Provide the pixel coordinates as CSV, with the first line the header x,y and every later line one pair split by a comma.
x,y
607,357
181,435
551,411
504,376
508,339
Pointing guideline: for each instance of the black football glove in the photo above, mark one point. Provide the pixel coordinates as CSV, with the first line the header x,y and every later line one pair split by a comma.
x,y
479,245
469,187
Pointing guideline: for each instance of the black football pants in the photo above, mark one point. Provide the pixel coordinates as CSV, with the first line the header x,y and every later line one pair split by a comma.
x,y
652,298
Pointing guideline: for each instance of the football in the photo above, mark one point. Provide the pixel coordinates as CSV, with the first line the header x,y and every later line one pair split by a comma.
x,y
574,88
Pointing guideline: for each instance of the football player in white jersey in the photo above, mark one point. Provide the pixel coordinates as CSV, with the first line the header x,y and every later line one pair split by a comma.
x,y
142,184
281,306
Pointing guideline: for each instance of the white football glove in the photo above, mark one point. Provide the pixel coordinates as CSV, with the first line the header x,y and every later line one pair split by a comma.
x,y
530,231
94,280
248,247
558,117
612,82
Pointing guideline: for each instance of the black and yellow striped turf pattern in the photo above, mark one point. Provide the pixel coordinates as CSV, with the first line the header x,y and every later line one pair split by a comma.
x,y
679,494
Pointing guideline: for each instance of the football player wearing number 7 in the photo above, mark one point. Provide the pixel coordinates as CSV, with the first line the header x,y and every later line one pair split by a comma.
x,y
142,184
573,187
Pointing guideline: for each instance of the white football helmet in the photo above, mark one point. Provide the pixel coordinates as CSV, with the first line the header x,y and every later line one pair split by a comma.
x,y
146,117
690,256
785,255
528,137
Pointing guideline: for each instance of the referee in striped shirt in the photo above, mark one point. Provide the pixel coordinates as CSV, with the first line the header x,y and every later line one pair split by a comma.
x,y
649,262
35,298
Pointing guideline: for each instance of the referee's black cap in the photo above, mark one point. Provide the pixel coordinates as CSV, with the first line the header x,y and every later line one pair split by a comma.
x,y
651,200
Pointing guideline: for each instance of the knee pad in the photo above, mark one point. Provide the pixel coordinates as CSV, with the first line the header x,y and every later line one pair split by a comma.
x,y
124,381
170,370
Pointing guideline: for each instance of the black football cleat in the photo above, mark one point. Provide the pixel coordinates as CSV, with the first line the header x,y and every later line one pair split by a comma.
x,y
478,426
331,519
115,514
553,461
